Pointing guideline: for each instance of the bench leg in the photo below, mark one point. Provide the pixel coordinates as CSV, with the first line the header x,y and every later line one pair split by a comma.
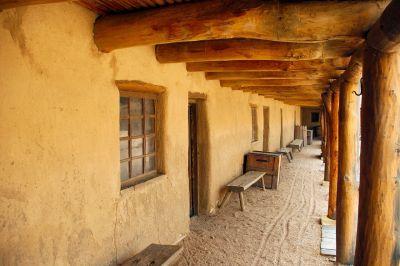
x,y
288,157
241,199
225,199
291,155
263,183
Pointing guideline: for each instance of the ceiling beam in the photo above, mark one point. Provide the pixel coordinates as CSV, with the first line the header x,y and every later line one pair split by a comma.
x,y
269,65
5,4
252,49
272,82
306,21
310,74
305,88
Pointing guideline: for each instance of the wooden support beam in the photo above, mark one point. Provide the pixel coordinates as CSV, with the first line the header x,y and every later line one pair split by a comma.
x,y
378,238
269,65
310,74
327,105
5,4
252,49
347,192
318,89
333,150
273,82
223,19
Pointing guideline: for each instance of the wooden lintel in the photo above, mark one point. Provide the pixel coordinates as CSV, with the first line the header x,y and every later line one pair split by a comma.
x,y
269,65
304,21
251,49
310,74
138,86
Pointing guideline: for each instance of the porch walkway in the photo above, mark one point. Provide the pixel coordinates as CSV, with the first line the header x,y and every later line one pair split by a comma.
x,y
278,227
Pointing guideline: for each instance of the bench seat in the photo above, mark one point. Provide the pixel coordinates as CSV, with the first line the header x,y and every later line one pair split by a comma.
x,y
155,255
296,144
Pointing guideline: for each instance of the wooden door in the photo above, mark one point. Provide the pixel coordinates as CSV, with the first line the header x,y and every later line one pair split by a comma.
x,y
193,159
266,129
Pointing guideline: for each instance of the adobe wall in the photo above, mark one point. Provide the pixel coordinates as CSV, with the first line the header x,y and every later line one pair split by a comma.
x,y
61,201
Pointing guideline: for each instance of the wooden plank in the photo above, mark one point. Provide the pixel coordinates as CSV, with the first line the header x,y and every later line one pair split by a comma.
x,y
138,86
252,49
273,82
5,4
245,181
305,21
155,255
269,65
310,74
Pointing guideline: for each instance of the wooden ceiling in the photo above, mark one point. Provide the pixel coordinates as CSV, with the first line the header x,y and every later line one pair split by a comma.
x,y
286,50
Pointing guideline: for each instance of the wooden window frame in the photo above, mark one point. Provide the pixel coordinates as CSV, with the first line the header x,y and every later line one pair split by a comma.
x,y
132,181
254,123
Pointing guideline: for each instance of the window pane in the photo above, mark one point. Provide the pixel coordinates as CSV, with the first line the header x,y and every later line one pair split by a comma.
x,y
137,167
149,106
136,127
150,164
150,145
136,147
136,106
124,171
123,106
123,128
123,149
150,125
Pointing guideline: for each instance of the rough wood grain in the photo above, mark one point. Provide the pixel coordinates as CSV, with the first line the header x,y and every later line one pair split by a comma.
x,y
269,65
327,104
251,49
273,82
223,19
379,202
245,181
347,192
333,150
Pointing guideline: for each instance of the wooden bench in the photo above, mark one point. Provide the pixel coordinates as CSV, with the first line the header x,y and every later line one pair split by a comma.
x,y
155,255
296,144
240,184
288,152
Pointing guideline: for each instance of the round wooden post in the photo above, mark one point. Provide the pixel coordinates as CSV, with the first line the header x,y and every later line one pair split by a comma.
x,y
379,204
333,150
327,105
347,193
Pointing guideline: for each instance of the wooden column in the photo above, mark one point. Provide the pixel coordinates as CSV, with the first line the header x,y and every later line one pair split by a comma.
x,y
327,100
379,210
333,150
347,192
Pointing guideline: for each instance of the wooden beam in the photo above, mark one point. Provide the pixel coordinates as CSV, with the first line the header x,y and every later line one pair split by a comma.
x,y
223,19
334,150
303,89
252,49
347,192
269,65
378,238
310,74
138,86
5,4
327,104
273,82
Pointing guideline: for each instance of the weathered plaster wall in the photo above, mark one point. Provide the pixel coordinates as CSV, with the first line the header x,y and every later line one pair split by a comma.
x,y
60,197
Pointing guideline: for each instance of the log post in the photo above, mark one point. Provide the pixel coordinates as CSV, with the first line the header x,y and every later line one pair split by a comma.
x,y
327,100
347,193
333,150
379,203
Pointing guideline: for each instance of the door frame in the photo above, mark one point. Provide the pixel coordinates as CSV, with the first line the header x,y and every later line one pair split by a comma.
x,y
266,128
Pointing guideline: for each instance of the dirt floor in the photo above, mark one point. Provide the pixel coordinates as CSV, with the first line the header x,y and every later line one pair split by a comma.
x,y
279,227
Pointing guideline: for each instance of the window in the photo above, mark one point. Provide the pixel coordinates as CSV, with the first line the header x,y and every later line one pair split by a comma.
x,y
254,123
137,136
314,117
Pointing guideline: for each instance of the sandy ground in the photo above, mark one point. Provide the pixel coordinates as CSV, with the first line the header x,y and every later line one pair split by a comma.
x,y
277,228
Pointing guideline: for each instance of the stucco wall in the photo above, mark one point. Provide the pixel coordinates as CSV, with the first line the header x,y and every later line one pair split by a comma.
x,y
60,197
306,117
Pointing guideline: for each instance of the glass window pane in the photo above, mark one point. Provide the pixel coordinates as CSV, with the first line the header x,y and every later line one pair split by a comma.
x,y
136,147
150,164
149,106
123,128
150,125
123,149
136,127
150,145
124,171
123,106
137,167
136,106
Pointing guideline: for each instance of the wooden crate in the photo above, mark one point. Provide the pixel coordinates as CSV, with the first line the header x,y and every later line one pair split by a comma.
x,y
265,162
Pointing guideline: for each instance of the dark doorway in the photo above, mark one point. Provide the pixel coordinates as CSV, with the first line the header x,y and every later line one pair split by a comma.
x,y
193,159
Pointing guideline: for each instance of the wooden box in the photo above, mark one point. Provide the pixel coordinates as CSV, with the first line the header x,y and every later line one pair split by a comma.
x,y
265,162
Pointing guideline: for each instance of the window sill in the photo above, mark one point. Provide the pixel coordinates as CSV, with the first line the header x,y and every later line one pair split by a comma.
x,y
142,182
